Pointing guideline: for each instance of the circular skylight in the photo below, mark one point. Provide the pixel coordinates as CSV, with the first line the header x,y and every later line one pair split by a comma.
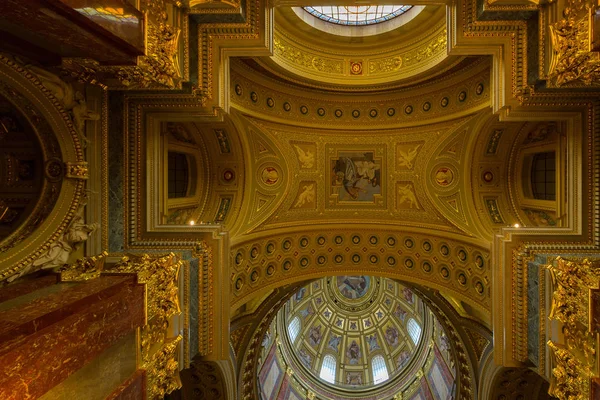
x,y
357,15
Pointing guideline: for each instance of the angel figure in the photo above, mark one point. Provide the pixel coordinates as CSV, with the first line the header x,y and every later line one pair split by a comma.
x,y
307,196
59,251
405,193
73,101
405,158
306,158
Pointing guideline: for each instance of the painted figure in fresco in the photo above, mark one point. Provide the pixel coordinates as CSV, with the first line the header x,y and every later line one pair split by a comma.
x,y
266,339
306,312
408,295
353,353
354,378
444,343
314,335
372,340
402,359
400,313
353,287
391,336
406,194
355,175
305,358
334,342
306,157
300,294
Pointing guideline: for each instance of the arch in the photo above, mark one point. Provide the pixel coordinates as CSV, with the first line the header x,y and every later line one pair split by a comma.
x,y
414,330
427,260
380,372
293,329
59,203
328,368
460,349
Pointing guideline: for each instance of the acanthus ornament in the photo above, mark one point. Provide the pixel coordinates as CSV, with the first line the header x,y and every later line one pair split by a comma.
x,y
160,275
572,62
575,360
158,69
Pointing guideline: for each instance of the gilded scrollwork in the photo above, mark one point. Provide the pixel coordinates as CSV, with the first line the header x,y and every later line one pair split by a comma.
x,y
304,59
575,360
158,351
572,62
160,275
158,69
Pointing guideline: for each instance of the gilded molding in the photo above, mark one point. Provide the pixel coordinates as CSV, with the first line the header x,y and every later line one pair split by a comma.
x,y
575,360
159,69
206,308
572,63
158,351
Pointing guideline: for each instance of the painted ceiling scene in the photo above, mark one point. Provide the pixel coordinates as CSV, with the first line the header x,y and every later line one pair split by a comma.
x,y
355,337
286,200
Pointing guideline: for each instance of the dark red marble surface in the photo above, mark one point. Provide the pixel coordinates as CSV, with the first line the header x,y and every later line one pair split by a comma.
x,y
595,389
134,388
22,287
46,340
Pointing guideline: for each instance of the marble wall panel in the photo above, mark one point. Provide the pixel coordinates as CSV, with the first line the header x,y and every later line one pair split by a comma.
x,y
48,339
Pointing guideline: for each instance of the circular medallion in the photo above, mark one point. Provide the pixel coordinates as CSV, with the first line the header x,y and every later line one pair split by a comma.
x,y
270,176
479,89
228,175
408,109
444,102
238,90
54,169
426,266
426,106
353,287
445,272
488,176
270,269
462,96
287,106
479,287
270,102
355,113
391,112
338,113
304,110
444,176
253,97
321,112
373,113
356,68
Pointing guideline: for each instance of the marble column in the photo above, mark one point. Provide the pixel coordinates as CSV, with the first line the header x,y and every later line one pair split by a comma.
x,y
49,331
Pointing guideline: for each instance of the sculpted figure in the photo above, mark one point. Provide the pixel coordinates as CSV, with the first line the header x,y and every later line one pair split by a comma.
x,y
73,101
59,251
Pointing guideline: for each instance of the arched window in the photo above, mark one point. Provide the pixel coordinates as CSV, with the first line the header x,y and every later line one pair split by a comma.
x,y
414,330
543,176
294,329
328,369
178,175
380,372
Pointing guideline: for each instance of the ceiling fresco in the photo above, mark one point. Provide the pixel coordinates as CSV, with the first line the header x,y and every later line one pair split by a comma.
x,y
345,323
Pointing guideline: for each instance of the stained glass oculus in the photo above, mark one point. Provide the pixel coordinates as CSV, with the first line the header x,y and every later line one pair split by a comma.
x,y
357,15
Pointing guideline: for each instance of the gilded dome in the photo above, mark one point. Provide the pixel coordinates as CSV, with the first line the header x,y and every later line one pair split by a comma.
x,y
345,336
